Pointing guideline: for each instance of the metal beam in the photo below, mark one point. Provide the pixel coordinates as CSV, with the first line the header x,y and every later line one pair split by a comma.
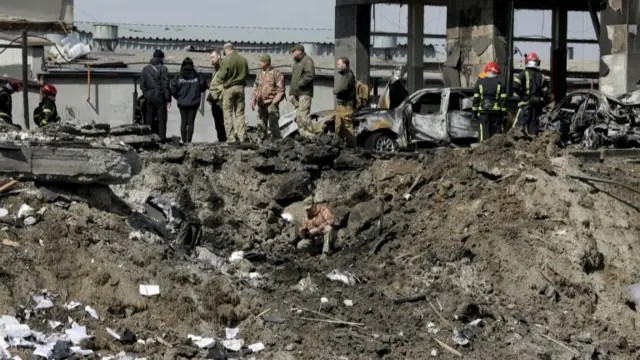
x,y
517,38
510,48
593,11
25,78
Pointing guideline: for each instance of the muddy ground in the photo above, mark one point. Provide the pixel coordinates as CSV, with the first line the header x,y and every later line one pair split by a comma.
x,y
495,252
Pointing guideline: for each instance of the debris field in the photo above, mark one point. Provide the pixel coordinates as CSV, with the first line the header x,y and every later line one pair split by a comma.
x,y
509,250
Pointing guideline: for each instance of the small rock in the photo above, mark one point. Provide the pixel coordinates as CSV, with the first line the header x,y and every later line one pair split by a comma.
x,y
187,351
290,347
304,244
583,337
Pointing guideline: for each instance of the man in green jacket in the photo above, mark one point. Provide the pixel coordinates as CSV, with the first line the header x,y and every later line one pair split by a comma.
x,y
345,94
301,89
233,78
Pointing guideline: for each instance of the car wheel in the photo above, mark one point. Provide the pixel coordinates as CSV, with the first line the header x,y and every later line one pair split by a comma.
x,y
381,142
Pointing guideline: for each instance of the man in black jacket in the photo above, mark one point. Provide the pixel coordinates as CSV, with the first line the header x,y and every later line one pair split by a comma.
x,y
155,87
5,100
187,89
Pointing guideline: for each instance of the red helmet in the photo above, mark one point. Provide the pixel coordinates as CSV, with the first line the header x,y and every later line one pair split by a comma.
x,y
15,85
49,90
492,67
532,60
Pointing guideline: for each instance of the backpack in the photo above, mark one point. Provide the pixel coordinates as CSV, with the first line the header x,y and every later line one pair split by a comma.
x,y
362,95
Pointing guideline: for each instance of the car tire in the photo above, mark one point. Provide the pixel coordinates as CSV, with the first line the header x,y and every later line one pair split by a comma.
x,y
381,142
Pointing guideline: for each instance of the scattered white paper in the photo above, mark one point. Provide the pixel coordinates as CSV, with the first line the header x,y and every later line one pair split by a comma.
x,y
78,350
236,256
149,290
257,347
434,352
77,333
113,333
91,311
348,303
407,196
233,345
231,333
54,324
344,277
44,350
202,342
324,300
72,305
25,210
42,302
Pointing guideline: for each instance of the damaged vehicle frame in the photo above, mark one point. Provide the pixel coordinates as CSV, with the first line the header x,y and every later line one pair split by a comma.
x,y
592,119
402,121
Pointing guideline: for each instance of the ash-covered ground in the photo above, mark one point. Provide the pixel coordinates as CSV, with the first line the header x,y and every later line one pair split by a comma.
x,y
495,252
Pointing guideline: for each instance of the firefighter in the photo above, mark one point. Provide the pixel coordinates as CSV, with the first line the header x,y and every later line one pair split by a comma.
x,y
489,101
5,99
532,88
46,112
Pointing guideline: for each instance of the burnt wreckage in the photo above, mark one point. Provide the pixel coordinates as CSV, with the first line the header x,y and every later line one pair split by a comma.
x,y
591,119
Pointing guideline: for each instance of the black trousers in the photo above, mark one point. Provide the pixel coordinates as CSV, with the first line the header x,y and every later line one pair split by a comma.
x,y
188,120
218,121
528,119
156,117
490,124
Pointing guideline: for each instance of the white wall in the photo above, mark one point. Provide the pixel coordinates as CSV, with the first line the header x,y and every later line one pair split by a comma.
x,y
111,102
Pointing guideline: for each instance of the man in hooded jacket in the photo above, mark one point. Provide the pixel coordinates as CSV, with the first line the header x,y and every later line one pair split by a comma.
x,y
187,88
155,87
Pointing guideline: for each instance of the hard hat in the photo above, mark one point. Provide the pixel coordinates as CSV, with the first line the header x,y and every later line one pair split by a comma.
x,y
50,90
532,61
492,67
15,85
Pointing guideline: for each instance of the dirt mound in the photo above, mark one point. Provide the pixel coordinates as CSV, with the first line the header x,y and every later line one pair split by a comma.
x,y
497,252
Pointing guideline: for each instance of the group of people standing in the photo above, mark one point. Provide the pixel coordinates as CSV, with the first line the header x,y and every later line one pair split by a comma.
x,y
490,98
227,95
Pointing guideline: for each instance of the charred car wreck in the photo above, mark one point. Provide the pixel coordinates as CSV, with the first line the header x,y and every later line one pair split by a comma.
x,y
591,119
402,121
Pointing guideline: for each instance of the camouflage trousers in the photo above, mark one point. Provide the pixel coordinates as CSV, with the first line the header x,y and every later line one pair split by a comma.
x,y
344,123
302,105
233,104
268,117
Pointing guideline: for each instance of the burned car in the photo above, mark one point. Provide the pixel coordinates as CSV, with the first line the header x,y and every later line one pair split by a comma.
x,y
591,119
400,121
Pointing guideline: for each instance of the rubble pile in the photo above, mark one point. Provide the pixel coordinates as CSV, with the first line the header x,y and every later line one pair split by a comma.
x,y
510,250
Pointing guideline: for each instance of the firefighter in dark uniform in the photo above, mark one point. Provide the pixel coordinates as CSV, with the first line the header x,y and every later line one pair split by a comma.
x,y
532,88
6,91
490,101
46,112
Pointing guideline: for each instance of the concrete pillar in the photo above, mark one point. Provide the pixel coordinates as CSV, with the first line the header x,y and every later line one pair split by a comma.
x,y
619,46
415,46
353,38
476,34
559,52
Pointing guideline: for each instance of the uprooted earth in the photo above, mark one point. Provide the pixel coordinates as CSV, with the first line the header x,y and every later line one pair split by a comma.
x,y
514,249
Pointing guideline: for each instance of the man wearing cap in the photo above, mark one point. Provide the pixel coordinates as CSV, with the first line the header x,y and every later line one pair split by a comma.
x,y
301,89
156,89
317,229
233,77
268,91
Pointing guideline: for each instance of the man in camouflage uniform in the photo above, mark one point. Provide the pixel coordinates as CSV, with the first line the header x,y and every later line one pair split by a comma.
x,y
268,91
233,77
215,97
301,89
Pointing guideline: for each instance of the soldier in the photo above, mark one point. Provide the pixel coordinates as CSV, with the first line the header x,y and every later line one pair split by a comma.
x,y
489,101
6,91
233,77
268,91
533,89
301,89
215,97
345,94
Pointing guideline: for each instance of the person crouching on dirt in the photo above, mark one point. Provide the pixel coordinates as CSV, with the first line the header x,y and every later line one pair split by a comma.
x,y
6,91
533,89
46,113
318,225
490,101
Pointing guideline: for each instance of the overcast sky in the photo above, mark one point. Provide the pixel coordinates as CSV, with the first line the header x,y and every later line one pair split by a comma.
x,y
308,14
